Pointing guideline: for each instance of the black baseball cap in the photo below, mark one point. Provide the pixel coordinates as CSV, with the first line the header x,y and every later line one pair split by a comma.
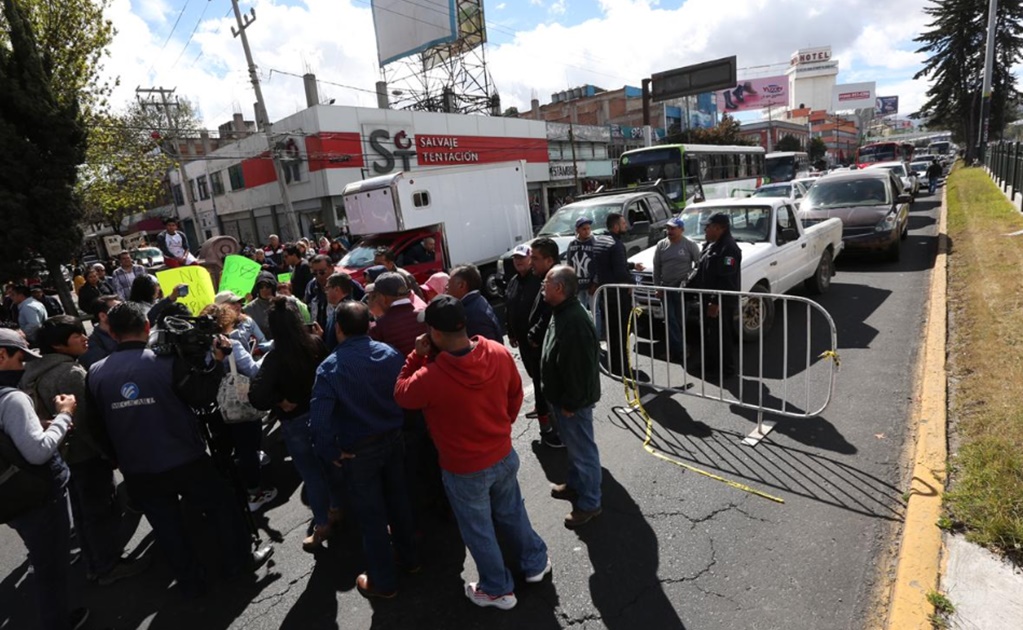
x,y
445,313
719,219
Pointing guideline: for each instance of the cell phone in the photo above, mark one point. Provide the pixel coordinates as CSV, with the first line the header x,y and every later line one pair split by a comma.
x,y
183,291
310,326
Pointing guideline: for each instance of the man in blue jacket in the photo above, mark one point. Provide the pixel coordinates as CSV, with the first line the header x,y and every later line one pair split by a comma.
x,y
465,284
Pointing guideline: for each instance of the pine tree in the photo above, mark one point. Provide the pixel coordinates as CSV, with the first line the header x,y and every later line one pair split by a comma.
x,y
42,143
955,42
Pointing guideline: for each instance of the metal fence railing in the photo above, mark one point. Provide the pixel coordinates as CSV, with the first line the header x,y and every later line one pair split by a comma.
x,y
788,371
1004,160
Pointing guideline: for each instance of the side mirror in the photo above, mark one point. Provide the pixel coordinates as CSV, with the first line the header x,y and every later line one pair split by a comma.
x,y
904,198
789,234
640,227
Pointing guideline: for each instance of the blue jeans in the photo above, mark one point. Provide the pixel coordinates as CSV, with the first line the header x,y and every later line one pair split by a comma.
x,y
97,514
322,494
584,473
46,532
201,486
488,503
932,184
375,479
675,312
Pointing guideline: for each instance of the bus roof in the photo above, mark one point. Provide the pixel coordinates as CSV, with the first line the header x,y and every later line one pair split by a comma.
x,y
700,148
776,154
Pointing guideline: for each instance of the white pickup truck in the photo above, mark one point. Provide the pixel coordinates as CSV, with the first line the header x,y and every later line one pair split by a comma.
x,y
777,253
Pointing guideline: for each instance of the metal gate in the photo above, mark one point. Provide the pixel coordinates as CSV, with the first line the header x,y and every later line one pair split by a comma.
x,y
663,338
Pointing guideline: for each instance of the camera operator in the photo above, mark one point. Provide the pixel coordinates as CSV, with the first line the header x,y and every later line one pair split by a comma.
x,y
145,406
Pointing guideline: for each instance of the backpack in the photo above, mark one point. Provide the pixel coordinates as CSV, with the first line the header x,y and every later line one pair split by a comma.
x,y
23,486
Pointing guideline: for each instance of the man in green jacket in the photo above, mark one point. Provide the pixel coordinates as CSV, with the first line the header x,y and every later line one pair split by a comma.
x,y
571,384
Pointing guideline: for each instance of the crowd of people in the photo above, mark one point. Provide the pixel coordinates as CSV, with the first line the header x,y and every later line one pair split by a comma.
x,y
392,398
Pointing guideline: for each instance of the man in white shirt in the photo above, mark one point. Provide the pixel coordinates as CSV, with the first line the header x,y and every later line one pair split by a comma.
x,y
125,274
31,312
174,245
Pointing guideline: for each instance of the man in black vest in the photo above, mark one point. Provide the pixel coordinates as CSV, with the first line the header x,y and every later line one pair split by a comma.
x,y
721,269
144,406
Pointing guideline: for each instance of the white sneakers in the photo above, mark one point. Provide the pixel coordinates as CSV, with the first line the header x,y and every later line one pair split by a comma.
x,y
503,602
533,579
257,501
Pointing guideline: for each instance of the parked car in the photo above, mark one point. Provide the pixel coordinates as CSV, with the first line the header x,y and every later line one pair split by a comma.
x,y
646,210
919,169
778,253
909,180
872,205
789,190
149,257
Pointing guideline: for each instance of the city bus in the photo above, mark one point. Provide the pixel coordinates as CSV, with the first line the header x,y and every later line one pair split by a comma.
x,y
785,166
884,152
691,172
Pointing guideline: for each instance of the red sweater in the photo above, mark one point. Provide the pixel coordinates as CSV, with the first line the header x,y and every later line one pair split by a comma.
x,y
469,402
399,328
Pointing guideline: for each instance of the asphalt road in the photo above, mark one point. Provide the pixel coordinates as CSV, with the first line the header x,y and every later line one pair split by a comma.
x,y
673,549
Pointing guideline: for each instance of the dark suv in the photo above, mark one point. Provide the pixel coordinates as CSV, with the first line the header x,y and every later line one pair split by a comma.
x,y
872,205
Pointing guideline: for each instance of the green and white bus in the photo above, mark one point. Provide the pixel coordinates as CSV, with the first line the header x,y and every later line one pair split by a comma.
x,y
691,172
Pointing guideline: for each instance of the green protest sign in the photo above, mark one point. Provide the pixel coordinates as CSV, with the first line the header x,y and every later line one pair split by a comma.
x,y
283,278
239,275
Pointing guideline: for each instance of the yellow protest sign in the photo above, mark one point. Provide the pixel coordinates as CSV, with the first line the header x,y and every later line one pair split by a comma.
x,y
200,286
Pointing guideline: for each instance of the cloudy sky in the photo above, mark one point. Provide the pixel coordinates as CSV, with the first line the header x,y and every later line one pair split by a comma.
x,y
536,47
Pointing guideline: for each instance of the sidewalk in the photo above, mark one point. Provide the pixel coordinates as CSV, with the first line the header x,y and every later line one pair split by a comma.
x,y
986,590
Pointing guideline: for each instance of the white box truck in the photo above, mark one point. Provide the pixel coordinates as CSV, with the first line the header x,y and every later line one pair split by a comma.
x,y
474,214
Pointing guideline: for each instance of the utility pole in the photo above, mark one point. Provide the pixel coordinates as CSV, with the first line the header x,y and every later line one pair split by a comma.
x,y
575,165
989,66
171,145
244,23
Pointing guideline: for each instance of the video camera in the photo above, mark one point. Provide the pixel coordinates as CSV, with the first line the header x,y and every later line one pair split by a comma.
x,y
188,337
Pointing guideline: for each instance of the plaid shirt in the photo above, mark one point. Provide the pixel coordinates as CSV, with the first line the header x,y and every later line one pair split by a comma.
x,y
123,279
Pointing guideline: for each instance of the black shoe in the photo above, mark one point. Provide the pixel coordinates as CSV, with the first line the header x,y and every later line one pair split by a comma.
x,y
78,617
533,414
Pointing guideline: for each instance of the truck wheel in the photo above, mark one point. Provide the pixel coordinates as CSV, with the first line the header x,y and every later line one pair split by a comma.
x,y
493,286
820,282
752,317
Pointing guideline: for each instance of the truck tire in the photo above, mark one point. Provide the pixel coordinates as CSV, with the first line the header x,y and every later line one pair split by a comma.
x,y
750,318
820,281
493,284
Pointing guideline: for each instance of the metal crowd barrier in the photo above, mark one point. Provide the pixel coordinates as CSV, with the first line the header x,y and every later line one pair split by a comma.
x,y
632,320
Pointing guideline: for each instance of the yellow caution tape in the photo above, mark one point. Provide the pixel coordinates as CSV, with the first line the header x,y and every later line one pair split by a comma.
x,y
632,396
831,354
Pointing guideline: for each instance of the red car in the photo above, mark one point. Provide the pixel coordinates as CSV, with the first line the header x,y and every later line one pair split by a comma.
x,y
408,251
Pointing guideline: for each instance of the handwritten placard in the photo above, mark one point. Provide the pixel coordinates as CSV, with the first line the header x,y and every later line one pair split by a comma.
x,y
200,286
239,275
283,278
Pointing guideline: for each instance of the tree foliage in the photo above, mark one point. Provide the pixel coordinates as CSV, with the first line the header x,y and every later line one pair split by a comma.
x,y
42,143
727,131
788,142
955,43
128,159
73,36
817,150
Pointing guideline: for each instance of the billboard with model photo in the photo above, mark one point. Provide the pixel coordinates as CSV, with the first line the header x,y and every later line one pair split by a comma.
x,y
754,94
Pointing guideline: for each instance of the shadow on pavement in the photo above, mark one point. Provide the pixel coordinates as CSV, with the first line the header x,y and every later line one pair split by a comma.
x,y
769,466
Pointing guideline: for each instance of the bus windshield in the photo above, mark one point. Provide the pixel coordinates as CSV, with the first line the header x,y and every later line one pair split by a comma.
x,y
780,168
876,153
649,166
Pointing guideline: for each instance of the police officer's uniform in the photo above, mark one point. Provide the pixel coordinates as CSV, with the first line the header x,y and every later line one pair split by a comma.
x,y
720,269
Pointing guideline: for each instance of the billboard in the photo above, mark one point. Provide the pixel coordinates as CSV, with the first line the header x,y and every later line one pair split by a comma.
x,y
853,96
406,28
754,94
472,32
701,77
886,105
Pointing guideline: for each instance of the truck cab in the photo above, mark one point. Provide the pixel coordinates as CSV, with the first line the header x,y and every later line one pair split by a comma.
x,y
408,252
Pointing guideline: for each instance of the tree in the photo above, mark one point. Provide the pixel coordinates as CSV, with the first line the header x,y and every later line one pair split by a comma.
x,y
128,159
726,132
788,142
511,112
42,143
817,150
955,42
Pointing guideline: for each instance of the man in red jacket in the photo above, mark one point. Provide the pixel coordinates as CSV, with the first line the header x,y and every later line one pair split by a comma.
x,y
470,391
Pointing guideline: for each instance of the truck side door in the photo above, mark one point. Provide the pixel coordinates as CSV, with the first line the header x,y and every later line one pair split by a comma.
x,y
792,252
638,238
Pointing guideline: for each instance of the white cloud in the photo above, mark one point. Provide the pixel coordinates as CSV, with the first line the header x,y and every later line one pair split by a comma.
x,y
629,40
153,10
501,6
558,8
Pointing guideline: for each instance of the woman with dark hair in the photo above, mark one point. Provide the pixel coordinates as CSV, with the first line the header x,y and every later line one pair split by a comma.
x,y
146,290
336,251
285,383
90,292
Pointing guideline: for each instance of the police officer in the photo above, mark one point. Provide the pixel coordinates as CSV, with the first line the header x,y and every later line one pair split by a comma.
x,y
144,406
720,269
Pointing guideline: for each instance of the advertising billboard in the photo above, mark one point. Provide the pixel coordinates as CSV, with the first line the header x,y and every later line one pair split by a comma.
x,y
472,32
406,28
754,94
853,96
886,105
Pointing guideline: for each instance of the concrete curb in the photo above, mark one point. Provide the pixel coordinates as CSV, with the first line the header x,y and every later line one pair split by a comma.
x,y
919,556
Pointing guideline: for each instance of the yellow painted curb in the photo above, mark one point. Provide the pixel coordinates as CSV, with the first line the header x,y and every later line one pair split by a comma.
x,y
920,552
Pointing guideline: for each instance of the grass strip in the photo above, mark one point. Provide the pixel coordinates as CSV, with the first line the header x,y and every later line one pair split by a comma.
x,y
986,361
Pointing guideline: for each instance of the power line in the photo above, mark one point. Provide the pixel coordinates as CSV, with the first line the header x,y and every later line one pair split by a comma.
x,y
192,34
169,35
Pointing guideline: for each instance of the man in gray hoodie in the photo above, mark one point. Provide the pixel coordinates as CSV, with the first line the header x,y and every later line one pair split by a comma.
x,y
94,503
